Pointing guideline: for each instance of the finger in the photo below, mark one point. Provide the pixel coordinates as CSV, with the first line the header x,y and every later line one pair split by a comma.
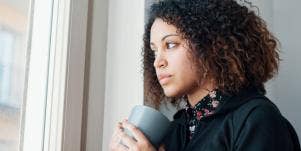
x,y
126,139
117,146
115,136
139,136
120,147
118,127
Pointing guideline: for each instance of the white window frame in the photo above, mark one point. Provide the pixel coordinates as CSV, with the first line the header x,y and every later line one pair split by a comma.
x,y
53,108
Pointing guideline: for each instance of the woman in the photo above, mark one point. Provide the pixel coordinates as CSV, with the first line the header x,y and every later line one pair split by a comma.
x,y
215,55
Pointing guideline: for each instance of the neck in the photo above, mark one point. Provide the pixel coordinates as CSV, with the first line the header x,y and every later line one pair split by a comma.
x,y
199,93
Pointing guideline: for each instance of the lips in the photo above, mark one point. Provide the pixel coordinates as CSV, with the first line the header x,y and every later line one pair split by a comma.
x,y
164,78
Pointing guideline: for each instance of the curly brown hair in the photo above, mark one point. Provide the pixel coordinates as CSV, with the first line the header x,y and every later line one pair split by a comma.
x,y
229,42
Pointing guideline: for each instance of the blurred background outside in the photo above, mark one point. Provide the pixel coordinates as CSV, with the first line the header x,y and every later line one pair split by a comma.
x,y
13,28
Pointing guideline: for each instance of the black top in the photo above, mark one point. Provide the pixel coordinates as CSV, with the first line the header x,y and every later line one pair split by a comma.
x,y
244,122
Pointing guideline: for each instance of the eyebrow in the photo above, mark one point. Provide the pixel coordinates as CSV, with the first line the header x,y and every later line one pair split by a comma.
x,y
165,37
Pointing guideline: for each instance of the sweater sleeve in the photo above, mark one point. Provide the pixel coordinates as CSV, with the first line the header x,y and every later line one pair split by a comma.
x,y
264,129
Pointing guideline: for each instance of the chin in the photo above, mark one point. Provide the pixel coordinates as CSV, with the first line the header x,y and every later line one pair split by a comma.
x,y
171,92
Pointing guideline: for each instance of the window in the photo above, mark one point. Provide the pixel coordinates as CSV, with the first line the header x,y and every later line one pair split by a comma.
x,y
13,25
42,55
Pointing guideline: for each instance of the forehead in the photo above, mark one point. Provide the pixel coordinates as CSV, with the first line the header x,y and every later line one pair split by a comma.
x,y
160,29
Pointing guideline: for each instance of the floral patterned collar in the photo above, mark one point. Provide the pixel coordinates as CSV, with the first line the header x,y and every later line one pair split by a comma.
x,y
205,107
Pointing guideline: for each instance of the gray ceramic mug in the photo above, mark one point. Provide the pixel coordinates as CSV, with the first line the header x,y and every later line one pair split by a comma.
x,y
151,122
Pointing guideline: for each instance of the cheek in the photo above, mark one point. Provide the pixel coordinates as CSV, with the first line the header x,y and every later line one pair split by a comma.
x,y
185,70
185,76
185,79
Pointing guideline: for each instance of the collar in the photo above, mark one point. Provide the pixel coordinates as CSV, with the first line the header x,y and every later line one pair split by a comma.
x,y
206,106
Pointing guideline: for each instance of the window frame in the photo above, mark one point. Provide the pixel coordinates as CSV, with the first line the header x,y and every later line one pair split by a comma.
x,y
53,105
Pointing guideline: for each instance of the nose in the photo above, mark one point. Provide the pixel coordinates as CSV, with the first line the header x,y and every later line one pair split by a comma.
x,y
160,61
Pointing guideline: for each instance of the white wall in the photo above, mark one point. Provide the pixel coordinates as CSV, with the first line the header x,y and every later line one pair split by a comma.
x,y
287,86
113,75
95,75
124,84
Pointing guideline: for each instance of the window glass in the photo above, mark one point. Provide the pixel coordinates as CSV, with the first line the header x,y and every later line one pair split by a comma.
x,y
13,39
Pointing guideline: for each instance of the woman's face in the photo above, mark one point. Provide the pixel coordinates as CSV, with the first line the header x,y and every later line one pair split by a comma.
x,y
175,69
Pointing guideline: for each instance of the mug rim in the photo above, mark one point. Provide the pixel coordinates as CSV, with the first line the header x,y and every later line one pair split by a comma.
x,y
153,110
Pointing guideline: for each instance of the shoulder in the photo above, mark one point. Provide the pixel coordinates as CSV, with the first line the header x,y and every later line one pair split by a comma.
x,y
259,116
259,123
258,110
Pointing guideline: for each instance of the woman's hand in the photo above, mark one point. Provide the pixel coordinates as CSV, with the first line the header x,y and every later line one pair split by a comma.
x,y
122,142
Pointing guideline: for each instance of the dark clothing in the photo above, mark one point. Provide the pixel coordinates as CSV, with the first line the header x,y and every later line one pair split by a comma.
x,y
245,122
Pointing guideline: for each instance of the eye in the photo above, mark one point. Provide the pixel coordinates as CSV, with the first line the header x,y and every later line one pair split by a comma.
x,y
170,45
